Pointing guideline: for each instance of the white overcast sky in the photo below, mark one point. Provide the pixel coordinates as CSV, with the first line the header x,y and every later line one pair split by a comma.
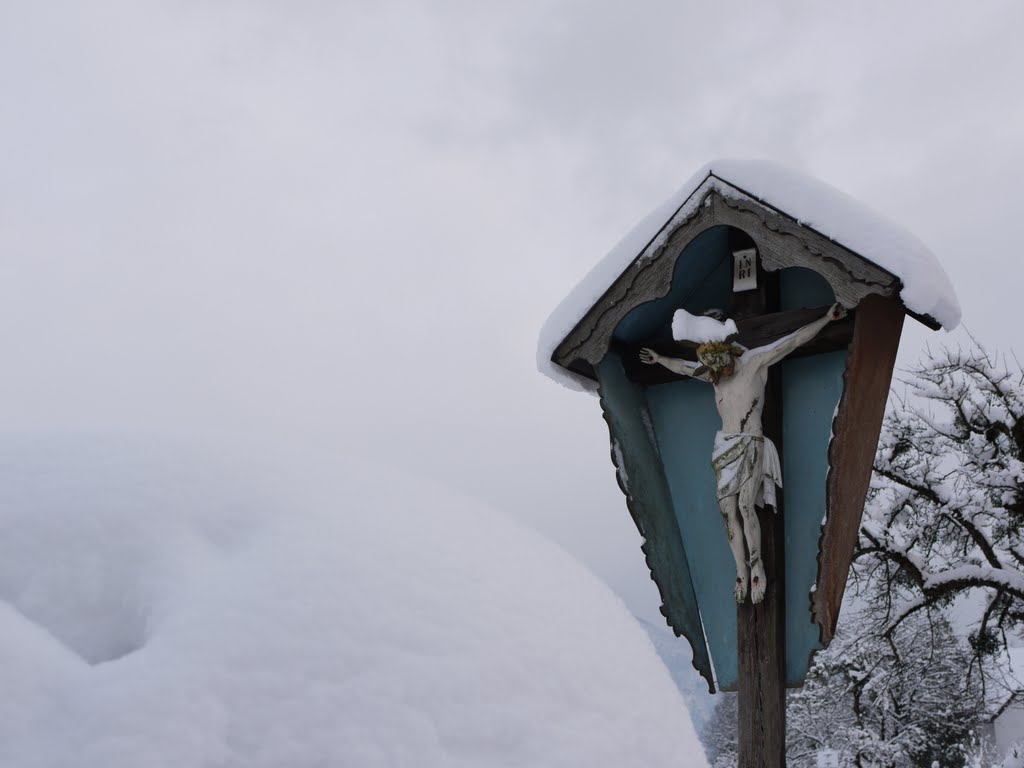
x,y
341,224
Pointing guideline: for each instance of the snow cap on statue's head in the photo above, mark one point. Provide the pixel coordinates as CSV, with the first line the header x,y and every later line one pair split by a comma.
x,y
712,325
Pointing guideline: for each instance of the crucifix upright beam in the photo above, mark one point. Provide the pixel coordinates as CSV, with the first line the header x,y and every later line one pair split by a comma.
x,y
760,628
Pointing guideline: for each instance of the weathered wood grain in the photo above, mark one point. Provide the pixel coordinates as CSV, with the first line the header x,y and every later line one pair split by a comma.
x,y
858,422
762,660
764,329
761,629
783,242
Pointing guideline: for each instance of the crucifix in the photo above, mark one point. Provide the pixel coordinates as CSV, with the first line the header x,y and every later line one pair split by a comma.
x,y
745,461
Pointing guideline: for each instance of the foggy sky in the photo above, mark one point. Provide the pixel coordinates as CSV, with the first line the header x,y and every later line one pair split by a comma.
x,y
320,225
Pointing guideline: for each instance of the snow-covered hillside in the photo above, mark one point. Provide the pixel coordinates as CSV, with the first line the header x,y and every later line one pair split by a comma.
x,y
162,615
677,655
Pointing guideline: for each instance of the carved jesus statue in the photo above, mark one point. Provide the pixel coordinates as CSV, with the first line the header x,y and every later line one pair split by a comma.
x,y
746,462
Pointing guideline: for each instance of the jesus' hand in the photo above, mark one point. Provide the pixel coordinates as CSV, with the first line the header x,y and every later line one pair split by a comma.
x,y
648,356
838,311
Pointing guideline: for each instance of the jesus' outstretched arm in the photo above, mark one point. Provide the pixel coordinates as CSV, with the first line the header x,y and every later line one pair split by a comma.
x,y
674,364
774,352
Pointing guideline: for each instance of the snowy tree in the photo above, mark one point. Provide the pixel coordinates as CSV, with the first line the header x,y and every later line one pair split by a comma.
x,y
878,700
720,733
946,511
888,698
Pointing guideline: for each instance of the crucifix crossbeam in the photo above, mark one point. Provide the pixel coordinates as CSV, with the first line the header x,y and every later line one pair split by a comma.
x,y
757,331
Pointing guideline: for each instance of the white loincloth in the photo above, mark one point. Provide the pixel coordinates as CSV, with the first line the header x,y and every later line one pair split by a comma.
x,y
735,461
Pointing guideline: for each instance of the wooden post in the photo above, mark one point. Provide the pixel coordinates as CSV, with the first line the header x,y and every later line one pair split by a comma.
x,y
761,640
761,645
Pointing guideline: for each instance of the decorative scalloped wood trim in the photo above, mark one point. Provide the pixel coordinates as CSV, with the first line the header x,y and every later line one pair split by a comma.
x,y
781,242
662,546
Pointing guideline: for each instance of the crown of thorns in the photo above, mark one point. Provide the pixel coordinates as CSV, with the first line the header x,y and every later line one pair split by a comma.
x,y
715,348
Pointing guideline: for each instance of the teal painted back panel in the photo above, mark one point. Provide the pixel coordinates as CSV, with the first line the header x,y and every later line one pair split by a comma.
x,y
811,388
685,421
642,476
800,288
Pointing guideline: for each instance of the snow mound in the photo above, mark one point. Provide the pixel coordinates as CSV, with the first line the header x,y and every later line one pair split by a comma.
x,y
700,328
154,615
927,289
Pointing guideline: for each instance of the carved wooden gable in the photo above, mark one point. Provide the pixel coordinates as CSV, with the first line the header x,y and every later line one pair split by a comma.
x,y
781,242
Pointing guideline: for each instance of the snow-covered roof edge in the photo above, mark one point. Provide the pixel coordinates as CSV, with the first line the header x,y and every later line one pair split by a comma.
x,y
927,290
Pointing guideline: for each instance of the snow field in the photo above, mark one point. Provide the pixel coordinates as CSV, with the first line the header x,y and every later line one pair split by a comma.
x,y
151,615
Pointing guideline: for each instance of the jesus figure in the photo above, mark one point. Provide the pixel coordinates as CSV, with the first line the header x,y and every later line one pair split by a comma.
x,y
746,462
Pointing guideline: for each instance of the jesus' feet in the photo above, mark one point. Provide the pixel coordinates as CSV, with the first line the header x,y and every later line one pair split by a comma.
x,y
740,591
758,582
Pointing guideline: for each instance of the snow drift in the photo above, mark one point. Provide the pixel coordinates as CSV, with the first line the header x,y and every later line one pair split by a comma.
x,y
156,615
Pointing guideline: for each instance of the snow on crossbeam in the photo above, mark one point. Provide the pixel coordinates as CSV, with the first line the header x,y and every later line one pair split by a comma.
x,y
700,328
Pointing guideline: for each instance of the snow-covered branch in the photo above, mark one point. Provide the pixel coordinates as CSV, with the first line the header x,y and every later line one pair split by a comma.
x,y
946,506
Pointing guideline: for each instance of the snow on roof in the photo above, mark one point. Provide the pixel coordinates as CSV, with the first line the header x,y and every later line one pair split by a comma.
x,y
926,288
155,609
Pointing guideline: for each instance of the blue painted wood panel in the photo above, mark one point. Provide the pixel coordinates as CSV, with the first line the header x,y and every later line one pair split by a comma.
x,y
811,388
642,478
685,421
